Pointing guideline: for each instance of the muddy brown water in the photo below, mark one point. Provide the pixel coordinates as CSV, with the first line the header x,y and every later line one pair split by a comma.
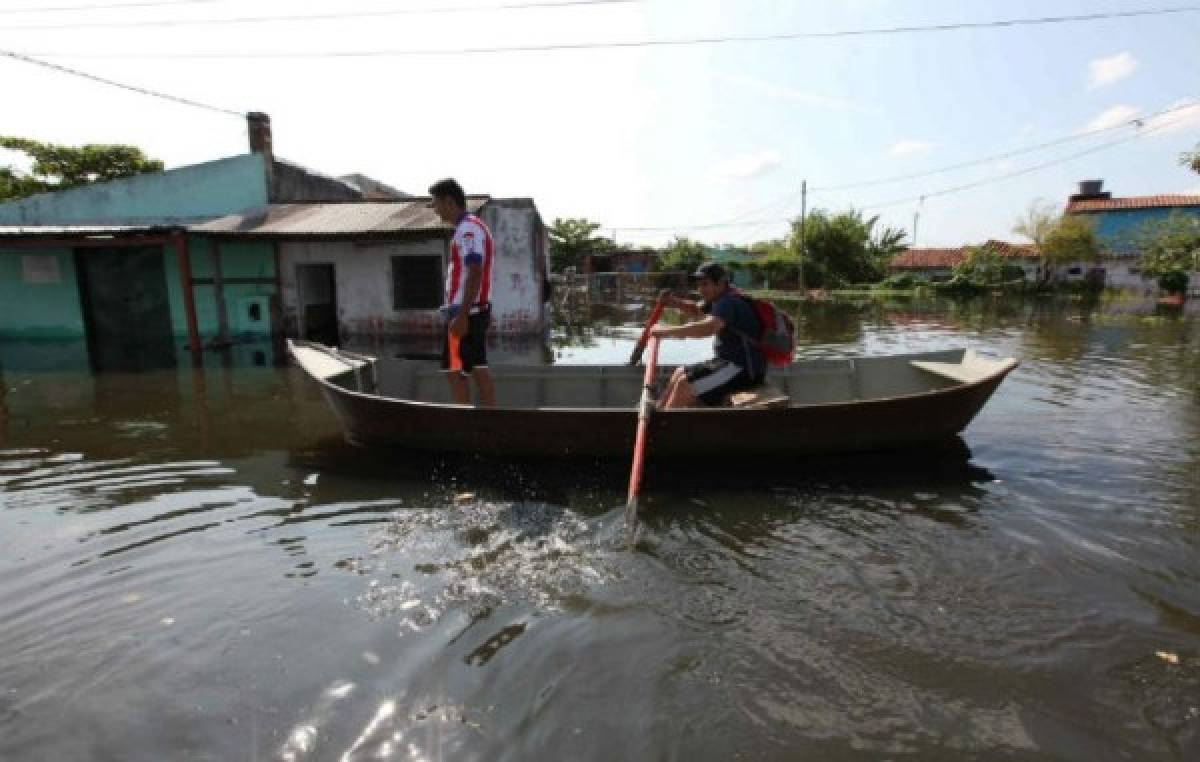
x,y
193,565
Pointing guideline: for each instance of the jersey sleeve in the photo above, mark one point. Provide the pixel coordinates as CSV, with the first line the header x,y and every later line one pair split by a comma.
x,y
472,243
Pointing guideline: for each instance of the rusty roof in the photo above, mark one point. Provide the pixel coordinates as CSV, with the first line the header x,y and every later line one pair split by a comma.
x,y
97,231
918,259
1131,202
337,219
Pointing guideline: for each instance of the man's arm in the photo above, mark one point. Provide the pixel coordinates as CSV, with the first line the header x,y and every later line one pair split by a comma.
x,y
697,329
685,306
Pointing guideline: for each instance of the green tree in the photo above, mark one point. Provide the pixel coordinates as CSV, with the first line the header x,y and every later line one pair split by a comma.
x,y
572,239
845,248
1170,250
57,167
682,254
1071,239
1191,160
1059,239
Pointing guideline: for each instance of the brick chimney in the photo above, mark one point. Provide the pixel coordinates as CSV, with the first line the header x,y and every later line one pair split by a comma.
x,y
258,128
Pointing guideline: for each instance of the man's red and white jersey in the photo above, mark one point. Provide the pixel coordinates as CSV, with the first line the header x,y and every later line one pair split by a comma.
x,y
472,244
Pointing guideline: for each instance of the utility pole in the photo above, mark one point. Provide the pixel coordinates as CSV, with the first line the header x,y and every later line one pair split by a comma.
x,y
803,238
916,218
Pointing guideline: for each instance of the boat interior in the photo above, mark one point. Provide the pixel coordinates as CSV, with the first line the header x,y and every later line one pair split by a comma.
x,y
806,382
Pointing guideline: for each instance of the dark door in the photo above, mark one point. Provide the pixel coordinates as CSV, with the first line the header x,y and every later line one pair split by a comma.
x,y
318,303
125,308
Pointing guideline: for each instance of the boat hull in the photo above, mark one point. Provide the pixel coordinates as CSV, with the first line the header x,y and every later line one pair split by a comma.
x,y
859,425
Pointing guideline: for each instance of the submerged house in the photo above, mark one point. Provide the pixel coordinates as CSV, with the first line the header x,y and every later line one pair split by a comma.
x,y
136,271
1118,224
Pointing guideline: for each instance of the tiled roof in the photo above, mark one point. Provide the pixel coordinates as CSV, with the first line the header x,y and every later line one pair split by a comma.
x,y
1133,202
920,259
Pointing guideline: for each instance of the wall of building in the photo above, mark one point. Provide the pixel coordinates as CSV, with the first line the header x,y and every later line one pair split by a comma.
x,y
1119,230
239,259
184,194
517,275
39,294
364,286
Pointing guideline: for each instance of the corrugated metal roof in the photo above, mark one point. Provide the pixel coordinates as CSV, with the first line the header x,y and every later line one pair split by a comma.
x,y
334,219
1132,202
26,231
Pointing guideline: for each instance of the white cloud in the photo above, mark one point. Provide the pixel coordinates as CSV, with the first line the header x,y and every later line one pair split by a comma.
x,y
784,92
909,147
1113,117
15,160
1004,166
747,165
1105,71
1186,117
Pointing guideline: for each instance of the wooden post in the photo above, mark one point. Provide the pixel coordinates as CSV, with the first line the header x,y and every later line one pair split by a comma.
x,y
184,260
219,290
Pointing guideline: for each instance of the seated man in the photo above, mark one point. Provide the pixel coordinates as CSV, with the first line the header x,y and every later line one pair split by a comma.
x,y
738,364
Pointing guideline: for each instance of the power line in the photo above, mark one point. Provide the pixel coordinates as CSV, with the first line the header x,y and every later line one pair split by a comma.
x,y
1019,172
108,6
742,221
132,88
681,42
317,16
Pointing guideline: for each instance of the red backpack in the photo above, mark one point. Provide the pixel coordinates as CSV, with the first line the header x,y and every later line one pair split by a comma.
x,y
777,341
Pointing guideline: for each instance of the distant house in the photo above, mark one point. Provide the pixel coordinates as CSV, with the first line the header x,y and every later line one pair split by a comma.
x,y
938,263
1118,222
243,248
640,260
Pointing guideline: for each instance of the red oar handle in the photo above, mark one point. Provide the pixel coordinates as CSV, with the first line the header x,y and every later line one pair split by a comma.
x,y
636,356
639,443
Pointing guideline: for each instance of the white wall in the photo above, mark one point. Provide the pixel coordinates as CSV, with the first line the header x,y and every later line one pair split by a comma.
x,y
363,274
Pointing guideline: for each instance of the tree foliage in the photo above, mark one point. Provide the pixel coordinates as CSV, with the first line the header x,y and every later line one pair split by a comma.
x,y
845,248
1059,239
57,167
682,254
1170,250
1191,160
573,238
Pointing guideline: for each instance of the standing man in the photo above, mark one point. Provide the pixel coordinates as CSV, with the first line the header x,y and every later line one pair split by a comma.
x,y
468,288
738,363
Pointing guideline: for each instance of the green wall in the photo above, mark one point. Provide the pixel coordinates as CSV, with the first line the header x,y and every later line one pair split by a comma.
x,y
39,310
53,310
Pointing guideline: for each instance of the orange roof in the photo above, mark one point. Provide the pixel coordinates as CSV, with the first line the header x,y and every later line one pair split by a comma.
x,y
1133,202
917,259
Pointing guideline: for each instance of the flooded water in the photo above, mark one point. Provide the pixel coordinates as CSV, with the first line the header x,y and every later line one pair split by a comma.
x,y
193,565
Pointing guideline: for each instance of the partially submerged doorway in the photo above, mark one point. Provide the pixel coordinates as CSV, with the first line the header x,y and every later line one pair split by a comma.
x,y
123,292
317,294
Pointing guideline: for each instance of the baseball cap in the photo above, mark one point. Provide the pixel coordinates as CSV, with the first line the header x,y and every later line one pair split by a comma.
x,y
711,270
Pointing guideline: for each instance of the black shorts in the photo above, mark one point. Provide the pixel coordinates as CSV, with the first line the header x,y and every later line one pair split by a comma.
x,y
714,380
472,347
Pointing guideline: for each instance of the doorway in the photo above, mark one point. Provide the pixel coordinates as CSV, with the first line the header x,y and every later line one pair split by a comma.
x,y
317,293
123,292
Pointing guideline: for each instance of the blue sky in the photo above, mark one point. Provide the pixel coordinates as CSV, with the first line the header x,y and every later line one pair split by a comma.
x,y
649,137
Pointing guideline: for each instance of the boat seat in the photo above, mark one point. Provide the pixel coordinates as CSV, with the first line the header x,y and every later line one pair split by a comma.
x,y
972,368
759,398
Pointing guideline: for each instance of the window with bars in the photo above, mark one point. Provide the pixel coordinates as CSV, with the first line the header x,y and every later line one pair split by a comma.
x,y
417,282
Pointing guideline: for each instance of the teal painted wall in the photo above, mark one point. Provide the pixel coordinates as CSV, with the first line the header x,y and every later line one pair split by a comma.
x,y
239,259
204,190
1119,229
53,310
39,310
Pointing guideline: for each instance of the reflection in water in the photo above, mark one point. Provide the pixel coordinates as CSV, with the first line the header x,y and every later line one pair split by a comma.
x,y
195,564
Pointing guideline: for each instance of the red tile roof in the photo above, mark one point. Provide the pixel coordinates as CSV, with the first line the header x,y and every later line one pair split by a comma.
x,y
1133,202
920,259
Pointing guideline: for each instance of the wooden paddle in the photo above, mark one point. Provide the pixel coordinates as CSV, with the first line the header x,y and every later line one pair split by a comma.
x,y
636,356
639,443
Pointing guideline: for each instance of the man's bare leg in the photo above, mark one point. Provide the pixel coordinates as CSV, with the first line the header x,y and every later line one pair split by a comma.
x,y
487,388
679,392
460,391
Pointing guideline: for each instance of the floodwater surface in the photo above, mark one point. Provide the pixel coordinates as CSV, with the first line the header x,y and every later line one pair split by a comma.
x,y
194,565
